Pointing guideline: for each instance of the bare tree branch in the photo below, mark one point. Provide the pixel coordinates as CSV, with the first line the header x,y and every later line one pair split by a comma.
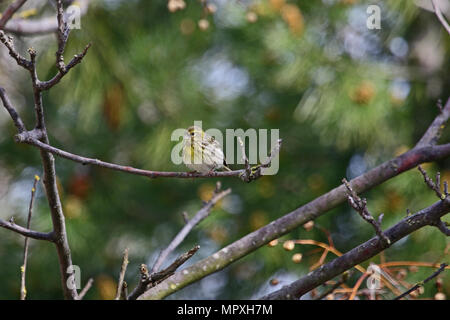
x,y
8,13
420,284
63,69
429,182
298,217
10,225
362,252
59,234
155,277
252,173
23,269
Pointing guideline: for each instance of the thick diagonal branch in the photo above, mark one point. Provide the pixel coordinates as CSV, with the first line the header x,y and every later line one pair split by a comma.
x,y
190,224
361,253
436,187
10,10
199,216
25,137
12,112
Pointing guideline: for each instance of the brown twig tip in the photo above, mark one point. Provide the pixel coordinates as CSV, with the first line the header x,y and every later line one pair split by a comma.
x,y
433,186
360,206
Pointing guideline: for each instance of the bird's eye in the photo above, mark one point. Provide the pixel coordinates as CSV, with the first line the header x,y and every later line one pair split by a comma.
x,y
192,133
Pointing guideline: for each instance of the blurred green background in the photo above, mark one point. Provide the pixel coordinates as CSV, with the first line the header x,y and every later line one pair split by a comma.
x,y
344,97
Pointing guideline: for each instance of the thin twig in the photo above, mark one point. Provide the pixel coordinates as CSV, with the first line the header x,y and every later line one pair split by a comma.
x,y
185,217
147,280
62,34
361,253
12,112
27,232
161,275
45,25
199,216
122,274
420,284
440,16
8,13
85,289
59,234
25,137
248,170
8,42
23,269
273,153
252,173
341,281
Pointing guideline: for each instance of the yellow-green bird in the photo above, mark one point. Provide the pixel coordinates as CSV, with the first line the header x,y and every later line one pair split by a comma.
x,y
201,152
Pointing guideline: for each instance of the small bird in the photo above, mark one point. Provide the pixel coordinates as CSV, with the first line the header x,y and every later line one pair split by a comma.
x,y
201,152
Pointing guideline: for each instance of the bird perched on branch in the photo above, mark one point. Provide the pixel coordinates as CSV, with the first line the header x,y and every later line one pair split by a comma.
x,y
201,152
